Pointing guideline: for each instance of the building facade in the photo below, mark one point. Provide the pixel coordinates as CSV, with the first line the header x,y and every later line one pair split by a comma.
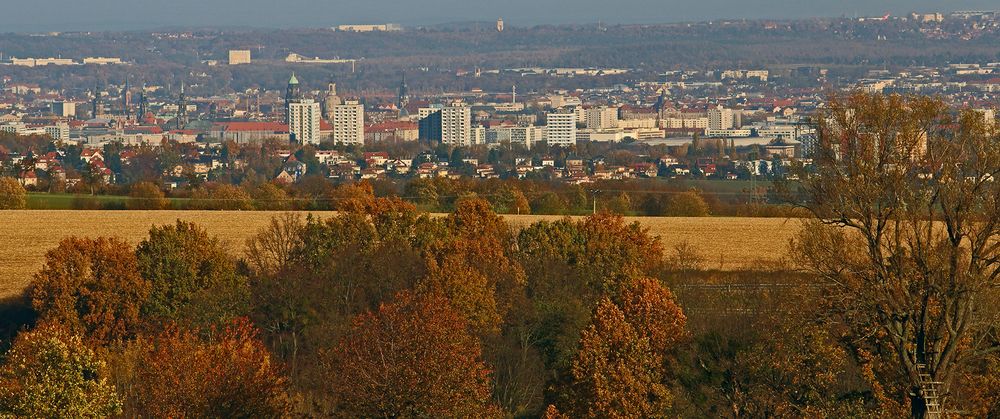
x,y
720,118
456,125
602,117
348,122
560,129
304,121
429,123
239,56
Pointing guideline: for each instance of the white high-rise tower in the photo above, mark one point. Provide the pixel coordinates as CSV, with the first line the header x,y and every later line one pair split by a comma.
x,y
348,122
303,121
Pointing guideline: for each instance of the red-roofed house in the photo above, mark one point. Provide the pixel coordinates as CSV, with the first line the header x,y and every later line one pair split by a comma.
x,y
28,178
393,131
247,132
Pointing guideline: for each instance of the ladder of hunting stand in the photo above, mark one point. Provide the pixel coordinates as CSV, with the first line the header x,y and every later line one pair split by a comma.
x,y
930,391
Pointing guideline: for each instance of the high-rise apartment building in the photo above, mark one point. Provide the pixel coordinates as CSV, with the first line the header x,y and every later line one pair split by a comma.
x,y
304,121
63,108
602,117
722,118
560,129
348,122
429,123
456,125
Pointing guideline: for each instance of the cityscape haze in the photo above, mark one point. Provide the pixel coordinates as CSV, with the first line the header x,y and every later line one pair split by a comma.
x,y
510,209
101,15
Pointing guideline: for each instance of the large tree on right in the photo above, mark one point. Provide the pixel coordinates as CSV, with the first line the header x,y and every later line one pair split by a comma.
x,y
905,194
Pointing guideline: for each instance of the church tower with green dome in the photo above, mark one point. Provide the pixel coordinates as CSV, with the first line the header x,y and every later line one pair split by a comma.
x,y
292,92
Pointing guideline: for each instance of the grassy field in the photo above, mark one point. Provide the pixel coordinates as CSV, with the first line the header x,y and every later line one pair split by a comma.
x,y
25,236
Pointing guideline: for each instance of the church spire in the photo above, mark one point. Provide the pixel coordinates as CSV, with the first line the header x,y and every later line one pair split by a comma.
x,y
404,94
181,108
127,99
292,93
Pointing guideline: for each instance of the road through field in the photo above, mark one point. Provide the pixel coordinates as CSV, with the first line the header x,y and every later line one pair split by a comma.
x,y
726,243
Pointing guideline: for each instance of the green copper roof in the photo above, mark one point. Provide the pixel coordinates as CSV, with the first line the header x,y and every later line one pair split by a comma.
x,y
293,80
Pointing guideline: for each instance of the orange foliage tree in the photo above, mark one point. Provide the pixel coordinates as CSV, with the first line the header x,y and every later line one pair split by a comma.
x,y
180,374
412,357
472,267
571,265
452,272
91,286
617,373
652,310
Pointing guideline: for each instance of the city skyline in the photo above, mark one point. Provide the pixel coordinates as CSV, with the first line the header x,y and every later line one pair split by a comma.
x,y
65,15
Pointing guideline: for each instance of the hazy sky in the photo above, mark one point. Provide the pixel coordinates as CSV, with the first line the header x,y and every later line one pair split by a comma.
x,y
66,15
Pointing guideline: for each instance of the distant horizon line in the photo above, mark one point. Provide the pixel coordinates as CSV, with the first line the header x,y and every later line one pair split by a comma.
x,y
438,25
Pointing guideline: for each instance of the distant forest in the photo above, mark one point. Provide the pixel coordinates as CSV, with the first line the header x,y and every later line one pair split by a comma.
x,y
431,56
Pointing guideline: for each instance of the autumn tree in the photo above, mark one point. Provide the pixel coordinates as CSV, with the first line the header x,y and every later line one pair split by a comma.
x,y
509,199
273,247
351,196
178,373
91,286
221,197
551,412
50,373
412,357
475,218
571,265
906,229
314,276
191,276
617,373
268,196
146,196
653,311
451,271
614,252
12,194
472,266
687,204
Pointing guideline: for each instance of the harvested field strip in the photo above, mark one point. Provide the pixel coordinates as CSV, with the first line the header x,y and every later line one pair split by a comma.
x,y
730,243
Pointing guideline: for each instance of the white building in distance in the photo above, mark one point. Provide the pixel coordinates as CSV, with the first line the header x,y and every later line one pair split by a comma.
x,y
560,129
456,125
239,56
348,120
304,121
102,60
386,27
602,117
721,118
63,108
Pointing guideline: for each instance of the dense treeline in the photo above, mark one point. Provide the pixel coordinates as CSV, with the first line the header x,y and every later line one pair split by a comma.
x,y
636,198
386,311
378,311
